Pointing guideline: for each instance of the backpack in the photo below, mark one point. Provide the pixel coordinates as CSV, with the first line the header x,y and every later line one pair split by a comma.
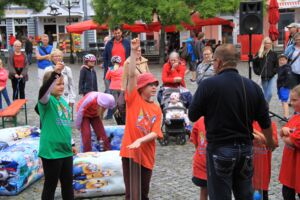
x,y
184,53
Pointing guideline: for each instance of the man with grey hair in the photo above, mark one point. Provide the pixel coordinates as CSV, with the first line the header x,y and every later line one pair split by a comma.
x,y
43,57
293,28
230,103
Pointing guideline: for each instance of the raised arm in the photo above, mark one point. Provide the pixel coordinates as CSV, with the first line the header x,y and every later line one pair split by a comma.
x,y
46,88
132,77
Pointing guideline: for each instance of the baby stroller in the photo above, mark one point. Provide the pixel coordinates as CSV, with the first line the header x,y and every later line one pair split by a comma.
x,y
173,127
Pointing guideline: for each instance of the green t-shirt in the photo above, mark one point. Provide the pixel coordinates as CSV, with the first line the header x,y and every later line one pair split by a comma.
x,y
55,141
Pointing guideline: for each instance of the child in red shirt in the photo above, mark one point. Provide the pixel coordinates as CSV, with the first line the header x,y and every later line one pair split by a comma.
x,y
3,80
143,126
262,158
289,174
114,75
198,138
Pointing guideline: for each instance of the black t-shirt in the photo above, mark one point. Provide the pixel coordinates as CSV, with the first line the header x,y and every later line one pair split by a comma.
x,y
229,103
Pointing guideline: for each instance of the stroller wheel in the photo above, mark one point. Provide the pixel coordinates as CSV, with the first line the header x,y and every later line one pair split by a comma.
x,y
180,139
164,141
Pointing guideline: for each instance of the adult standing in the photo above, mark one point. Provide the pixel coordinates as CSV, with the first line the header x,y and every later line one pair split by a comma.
x,y
43,57
12,40
266,65
69,94
293,54
18,71
192,56
205,69
293,28
29,49
199,47
229,104
117,46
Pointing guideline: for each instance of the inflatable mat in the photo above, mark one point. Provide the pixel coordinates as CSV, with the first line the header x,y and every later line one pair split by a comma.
x,y
97,174
115,133
10,135
19,166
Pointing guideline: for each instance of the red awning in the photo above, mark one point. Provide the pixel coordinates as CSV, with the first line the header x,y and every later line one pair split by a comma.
x,y
80,27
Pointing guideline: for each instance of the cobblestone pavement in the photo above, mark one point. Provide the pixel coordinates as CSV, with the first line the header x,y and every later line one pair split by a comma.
x,y
172,173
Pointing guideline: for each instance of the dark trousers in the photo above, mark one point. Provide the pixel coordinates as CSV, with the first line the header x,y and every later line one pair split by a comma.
x,y
229,169
18,85
137,180
99,131
58,169
289,193
29,57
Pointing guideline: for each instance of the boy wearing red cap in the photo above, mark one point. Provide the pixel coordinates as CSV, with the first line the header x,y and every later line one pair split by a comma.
x,y
143,126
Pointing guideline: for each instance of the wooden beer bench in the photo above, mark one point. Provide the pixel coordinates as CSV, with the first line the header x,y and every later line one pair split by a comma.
x,y
12,111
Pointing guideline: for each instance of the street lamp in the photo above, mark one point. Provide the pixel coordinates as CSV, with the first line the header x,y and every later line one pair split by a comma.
x,y
69,4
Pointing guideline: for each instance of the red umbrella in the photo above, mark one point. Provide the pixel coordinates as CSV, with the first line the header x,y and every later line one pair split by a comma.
x,y
80,27
273,19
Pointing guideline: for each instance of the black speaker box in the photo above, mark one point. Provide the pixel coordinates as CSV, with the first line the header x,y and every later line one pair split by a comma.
x,y
251,17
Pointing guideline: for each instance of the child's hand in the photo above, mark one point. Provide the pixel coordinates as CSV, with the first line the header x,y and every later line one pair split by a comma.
x,y
74,150
287,141
59,67
285,131
136,144
135,43
259,137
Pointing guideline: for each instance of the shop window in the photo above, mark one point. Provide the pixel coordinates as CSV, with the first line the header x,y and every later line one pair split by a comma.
x,y
287,16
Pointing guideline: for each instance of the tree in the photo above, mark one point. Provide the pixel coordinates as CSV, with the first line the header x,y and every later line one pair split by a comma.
x,y
172,12
36,5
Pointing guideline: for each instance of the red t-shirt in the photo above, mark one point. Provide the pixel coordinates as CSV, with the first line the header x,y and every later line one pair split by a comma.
x,y
119,50
198,137
290,166
19,61
142,118
115,77
168,74
262,158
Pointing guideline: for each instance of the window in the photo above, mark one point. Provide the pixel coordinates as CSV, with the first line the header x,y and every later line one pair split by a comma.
x,y
287,16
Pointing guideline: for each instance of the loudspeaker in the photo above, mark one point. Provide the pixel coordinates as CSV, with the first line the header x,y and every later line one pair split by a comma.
x,y
251,17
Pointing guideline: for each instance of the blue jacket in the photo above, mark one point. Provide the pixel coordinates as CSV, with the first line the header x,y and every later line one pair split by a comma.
x,y
108,49
190,48
289,51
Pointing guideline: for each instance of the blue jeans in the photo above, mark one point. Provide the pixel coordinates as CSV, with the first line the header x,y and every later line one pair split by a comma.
x,y
268,87
230,168
5,95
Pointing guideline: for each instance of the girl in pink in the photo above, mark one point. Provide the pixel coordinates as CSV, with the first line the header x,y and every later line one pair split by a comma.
x,y
114,75
90,111
3,80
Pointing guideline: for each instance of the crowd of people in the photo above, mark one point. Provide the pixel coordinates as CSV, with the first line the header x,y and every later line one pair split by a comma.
x,y
231,113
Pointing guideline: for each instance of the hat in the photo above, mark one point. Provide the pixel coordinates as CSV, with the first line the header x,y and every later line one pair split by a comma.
x,y
293,25
145,79
282,56
175,96
106,100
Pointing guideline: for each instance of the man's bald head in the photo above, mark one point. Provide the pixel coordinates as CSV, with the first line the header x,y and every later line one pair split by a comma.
x,y
228,54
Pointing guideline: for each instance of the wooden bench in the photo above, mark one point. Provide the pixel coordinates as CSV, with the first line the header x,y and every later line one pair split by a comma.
x,y
12,111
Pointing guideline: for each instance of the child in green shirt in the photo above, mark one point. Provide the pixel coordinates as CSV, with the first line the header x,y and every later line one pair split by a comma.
x,y
55,147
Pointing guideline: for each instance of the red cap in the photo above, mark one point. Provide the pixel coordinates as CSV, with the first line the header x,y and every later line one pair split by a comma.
x,y
145,79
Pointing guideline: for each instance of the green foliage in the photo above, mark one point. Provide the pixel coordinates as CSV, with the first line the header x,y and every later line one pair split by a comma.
x,y
170,12
37,5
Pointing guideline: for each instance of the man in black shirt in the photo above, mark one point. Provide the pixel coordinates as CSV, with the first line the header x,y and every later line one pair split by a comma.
x,y
229,104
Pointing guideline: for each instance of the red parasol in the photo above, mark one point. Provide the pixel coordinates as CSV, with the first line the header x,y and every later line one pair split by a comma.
x,y
80,27
273,19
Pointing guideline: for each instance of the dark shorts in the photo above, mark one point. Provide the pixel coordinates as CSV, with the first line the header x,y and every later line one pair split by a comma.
x,y
199,182
283,94
192,66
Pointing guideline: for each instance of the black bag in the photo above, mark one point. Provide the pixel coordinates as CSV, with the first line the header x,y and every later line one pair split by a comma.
x,y
256,66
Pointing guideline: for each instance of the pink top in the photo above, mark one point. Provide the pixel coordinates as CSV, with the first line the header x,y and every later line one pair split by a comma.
x,y
3,77
115,77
